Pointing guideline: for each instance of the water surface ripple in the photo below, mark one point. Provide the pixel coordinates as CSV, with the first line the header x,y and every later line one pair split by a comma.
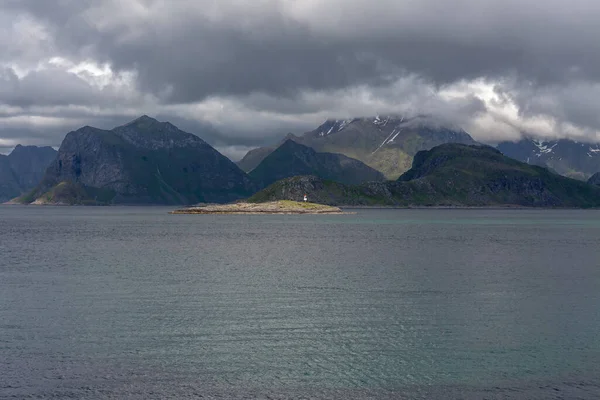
x,y
134,303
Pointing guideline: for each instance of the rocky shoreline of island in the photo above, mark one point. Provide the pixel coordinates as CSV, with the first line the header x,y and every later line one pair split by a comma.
x,y
271,207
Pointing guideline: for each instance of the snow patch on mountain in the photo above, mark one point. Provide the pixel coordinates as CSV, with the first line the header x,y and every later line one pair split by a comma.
x,y
333,126
543,147
381,122
395,136
392,136
548,149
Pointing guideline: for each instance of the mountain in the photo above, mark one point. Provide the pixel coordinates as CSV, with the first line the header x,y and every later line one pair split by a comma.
x,y
595,179
566,157
448,175
291,159
387,144
22,169
142,162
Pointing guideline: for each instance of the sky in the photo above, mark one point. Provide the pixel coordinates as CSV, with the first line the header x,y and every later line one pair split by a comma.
x,y
241,74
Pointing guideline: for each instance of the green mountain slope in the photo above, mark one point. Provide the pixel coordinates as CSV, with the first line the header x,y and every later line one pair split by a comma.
x,y
387,144
449,175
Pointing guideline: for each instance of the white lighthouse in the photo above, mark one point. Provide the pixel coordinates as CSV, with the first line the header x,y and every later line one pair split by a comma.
x,y
305,198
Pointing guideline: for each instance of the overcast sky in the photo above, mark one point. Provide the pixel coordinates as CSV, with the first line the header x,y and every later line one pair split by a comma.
x,y
243,73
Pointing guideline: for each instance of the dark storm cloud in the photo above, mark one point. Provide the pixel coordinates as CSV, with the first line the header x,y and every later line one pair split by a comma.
x,y
281,65
279,51
578,101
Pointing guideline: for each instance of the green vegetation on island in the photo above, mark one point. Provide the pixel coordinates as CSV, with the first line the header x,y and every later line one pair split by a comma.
x,y
273,207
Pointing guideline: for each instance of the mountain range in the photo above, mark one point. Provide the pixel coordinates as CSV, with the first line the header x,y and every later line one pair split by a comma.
x,y
152,162
566,157
448,175
385,143
23,169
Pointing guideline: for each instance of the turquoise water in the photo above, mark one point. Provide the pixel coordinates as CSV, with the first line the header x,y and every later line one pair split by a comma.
x,y
135,303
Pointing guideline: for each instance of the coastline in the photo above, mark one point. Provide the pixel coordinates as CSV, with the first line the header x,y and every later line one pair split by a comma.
x,y
490,207
193,209
282,207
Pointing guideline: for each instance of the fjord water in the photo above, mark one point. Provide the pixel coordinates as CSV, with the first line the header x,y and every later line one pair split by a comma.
x,y
134,303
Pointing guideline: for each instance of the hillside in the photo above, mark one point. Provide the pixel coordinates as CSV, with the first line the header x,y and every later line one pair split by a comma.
x,y
142,162
292,159
449,175
23,169
566,157
387,144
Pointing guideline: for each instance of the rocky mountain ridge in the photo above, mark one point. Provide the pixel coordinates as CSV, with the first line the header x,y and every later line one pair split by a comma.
x,y
142,162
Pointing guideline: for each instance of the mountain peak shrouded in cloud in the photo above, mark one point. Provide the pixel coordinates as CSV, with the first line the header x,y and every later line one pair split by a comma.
x,y
254,70
385,143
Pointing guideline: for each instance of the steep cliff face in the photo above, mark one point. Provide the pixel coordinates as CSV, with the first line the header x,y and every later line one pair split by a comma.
x,y
92,157
449,175
143,162
23,169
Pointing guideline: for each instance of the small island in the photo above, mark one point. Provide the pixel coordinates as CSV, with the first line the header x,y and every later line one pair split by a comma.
x,y
271,207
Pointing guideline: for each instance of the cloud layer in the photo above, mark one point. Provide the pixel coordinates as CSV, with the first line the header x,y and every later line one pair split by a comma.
x,y
240,73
